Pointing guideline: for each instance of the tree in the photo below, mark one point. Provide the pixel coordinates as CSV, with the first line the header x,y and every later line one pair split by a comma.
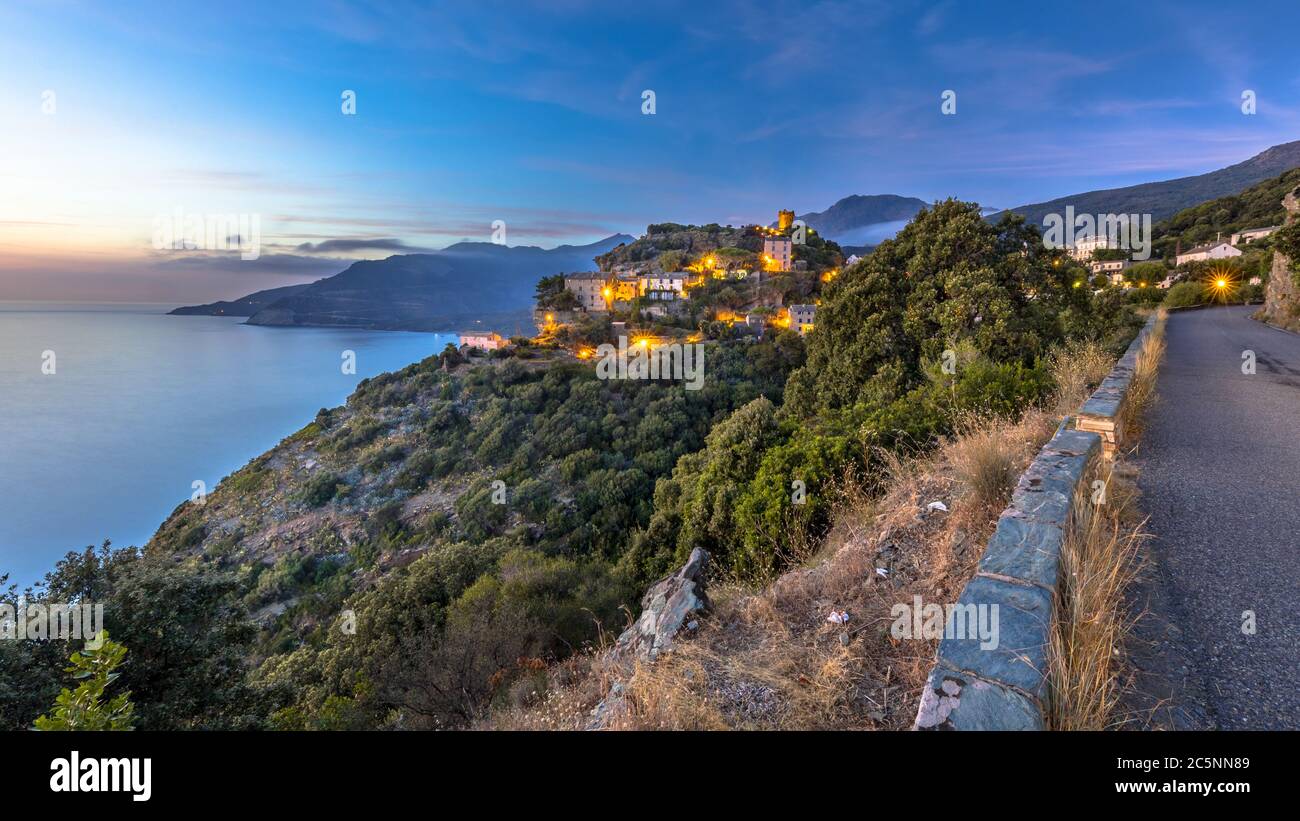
x,y
84,708
948,277
1148,272
189,635
553,296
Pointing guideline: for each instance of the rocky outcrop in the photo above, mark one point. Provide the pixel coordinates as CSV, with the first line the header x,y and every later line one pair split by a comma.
x,y
667,608
1282,297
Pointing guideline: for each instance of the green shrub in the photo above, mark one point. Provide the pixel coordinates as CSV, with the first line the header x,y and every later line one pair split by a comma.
x,y
320,489
1184,295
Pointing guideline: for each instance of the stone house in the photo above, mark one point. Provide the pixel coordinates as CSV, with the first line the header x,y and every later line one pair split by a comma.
x,y
591,289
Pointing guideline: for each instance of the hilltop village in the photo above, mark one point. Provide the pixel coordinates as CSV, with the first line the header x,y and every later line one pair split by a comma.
x,y
686,283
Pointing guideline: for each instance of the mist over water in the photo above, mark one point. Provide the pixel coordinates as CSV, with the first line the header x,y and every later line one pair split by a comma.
x,y
143,404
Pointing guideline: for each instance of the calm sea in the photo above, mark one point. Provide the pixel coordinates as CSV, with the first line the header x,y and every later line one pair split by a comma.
x,y
140,405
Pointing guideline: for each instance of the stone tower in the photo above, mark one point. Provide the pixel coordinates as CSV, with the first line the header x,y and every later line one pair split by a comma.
x,y
784,220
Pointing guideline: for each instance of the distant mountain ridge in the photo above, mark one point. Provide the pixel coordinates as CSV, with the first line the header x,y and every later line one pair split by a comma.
x,y
466,285
1166,198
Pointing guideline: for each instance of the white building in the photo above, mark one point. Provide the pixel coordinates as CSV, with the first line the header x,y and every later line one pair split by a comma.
x,y
1213,250
777,252
590,289
1252,234
483,341
803,318
1084,247
1112,268
666,286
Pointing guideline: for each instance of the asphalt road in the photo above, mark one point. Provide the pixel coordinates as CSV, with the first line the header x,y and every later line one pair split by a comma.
x,y
1220,477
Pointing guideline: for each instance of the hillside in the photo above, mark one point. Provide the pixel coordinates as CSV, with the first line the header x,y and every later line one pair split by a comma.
x,y
864,219
1166,198
670,246
1257,207
247,306
458,286
420,557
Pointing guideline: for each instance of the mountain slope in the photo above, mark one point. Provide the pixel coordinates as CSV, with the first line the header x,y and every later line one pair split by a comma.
x,y
1166,198
1257,207
862,219
247,306
461,285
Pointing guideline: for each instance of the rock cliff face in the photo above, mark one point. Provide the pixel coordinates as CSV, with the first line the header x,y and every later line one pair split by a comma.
x,y
1282,298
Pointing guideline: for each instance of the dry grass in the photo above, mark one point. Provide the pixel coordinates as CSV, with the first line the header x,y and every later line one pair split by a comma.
x,y
1099,560
767,658
1142,388
983,463
1078,369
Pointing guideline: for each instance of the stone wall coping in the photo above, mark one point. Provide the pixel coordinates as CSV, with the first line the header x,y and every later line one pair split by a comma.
x,y
1006,687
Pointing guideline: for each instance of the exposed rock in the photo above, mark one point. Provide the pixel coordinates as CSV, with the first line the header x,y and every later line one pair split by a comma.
x,y
665,609
1282,297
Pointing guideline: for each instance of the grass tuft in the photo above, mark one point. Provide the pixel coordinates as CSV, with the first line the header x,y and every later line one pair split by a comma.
x,y
1099,560
1078,368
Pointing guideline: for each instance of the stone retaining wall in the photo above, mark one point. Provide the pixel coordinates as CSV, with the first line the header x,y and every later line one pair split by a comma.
x,y
1006,687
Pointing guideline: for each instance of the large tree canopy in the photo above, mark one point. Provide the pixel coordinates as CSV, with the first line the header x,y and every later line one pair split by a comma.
x,y
948,277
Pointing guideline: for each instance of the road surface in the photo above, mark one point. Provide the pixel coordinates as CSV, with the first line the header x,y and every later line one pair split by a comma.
x,y
1220,477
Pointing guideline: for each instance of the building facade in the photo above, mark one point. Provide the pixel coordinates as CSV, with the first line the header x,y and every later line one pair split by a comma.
x,y
1252,234
483,341
803,318
666,287
1112,268
590,289
1213,250
1083,248
777,253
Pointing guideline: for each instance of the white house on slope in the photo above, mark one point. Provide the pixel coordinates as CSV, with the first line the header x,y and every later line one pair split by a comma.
x,y
1220,249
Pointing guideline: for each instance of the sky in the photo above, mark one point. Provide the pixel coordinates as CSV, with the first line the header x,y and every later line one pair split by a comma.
x,y
115,118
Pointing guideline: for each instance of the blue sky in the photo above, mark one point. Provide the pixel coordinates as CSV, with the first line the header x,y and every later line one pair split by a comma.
x,y
531,113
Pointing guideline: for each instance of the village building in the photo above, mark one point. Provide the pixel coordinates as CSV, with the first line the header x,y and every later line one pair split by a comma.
x,y
1252,234
777,253
802,317
483,341
1112,268
591,290
666,287
1083,248
626,288
1218,249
